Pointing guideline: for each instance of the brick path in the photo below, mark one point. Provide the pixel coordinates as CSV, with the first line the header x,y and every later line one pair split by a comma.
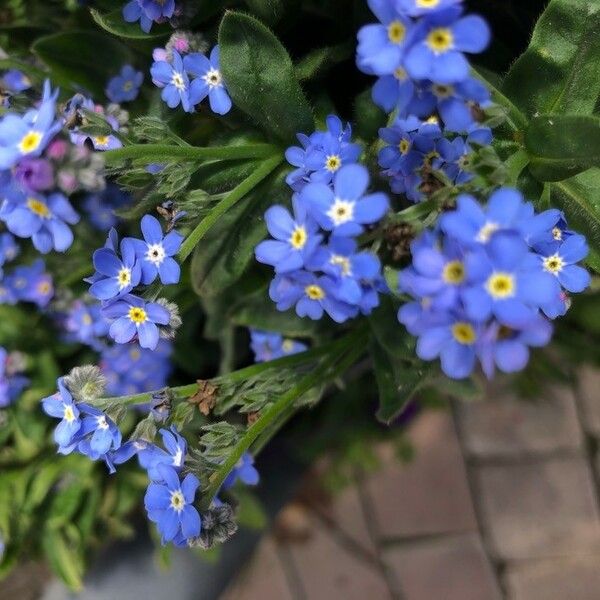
x,y
500,501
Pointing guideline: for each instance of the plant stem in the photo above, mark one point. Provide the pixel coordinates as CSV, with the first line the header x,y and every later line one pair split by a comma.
x,y
161,151
237,193
324,372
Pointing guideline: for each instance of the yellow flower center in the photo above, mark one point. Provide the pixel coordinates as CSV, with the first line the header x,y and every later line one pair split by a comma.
x,y
404,146
557,234
30,142
127,86
554,264
333,163
44,288
442,91
287,346
454,272
427,3
298,238
485,233
101,140
464,333
87,320
400,74
432,120
177,501
69,415
440,40
135,354
39,208
314,292
137,315
396,32
343,262
501,285
124,277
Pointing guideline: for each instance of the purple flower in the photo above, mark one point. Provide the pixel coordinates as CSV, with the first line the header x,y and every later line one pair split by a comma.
x,y
133,317
35,174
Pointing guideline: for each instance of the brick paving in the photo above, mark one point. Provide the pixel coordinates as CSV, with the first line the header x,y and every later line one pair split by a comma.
x,y
501,501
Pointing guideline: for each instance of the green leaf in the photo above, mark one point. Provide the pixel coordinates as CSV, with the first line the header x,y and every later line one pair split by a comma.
x,y
561,146
250,513
84,59
318,61
65,562
579,198
559,70
114,23
367,116
221,258
269,11
259,75
515,164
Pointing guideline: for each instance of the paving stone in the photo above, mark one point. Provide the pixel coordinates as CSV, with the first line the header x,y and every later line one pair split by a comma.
x,y
589,395
453,567
540,509
428,495
565,579
329,571
262,578
505,425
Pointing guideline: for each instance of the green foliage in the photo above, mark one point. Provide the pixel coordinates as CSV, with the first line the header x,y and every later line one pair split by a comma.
x,y
260,77
113,22
81,58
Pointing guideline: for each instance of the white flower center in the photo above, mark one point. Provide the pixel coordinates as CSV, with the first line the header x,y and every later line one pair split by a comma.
x,y
101,422
213,78
177,501
155,253
178,458
178,81
341,211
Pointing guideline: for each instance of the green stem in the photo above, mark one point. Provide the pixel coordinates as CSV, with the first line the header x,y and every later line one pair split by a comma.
x,y
237,193
326,371
161,151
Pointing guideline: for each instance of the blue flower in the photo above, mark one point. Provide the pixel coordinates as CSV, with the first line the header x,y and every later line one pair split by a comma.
x,y
508,349
454,340
125,86
393,91
11,383
345,209
28,135
175,83
16,81
152,456
9,249
29,284
322,154
100,434
268,345
209,80
158,10
296,238
438,56
472,225
353,271
85,323
381,46
115,276
62,406
133,317
133,12
561,264
409,141
506,282
170,505
42,219
100,206
156,252
425,8
244,470
311,295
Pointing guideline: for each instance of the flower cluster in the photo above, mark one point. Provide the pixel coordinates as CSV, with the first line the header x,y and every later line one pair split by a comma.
x,y
27,283
101,206
190,79
417,51
318,266
12,383
268,345
486,282
121,267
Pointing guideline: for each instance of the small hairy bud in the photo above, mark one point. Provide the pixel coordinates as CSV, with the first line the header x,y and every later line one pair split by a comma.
x,y
168,331
86,383
218,525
